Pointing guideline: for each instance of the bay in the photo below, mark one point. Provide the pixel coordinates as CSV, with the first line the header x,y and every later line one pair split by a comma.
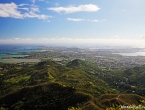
x,y
132,54
14,49
9,51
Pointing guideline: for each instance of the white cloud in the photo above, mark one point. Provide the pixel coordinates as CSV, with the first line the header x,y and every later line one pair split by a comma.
x,y
16,38
33,15
96,21
10,10
77,41
74,19
15,11
80,19
35,9
27,9
73,9
22,4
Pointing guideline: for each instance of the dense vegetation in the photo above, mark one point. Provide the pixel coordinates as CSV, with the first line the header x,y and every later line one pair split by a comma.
x,y
51,85
131,80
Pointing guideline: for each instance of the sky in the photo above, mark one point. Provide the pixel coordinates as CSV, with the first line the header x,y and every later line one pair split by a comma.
x,y
73,22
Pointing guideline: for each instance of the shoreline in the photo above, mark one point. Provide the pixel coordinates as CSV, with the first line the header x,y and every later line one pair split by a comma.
x,y
24,60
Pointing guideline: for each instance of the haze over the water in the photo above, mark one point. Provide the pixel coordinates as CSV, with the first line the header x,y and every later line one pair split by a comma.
x,y
73,22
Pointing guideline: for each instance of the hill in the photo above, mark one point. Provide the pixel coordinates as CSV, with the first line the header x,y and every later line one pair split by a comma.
x,y
89,67
120,99
128,81
53,96
50,85
76,63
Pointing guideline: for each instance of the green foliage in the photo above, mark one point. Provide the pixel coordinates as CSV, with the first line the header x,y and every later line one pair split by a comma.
x,y
1,108
18,79
51,96
50,85
128,81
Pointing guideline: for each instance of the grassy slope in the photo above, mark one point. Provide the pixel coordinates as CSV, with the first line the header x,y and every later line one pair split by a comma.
x,y
128,81
49,85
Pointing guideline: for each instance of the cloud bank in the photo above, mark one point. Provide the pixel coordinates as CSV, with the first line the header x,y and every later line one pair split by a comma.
x,y
76,41
73,9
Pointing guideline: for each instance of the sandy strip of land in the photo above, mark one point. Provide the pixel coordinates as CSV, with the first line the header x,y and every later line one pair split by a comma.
x,y
18,60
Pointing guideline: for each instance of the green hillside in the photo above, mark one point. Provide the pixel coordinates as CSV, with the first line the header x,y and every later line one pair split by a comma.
x,y
131,80
81,84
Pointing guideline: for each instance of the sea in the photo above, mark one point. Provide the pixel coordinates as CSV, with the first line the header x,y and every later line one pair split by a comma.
x,y
12,50
132,54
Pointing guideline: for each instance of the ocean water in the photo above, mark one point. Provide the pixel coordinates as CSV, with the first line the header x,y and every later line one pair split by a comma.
x,y
14,50
132,54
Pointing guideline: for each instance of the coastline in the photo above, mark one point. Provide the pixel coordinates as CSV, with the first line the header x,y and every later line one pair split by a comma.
x,y
18,53
13,60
